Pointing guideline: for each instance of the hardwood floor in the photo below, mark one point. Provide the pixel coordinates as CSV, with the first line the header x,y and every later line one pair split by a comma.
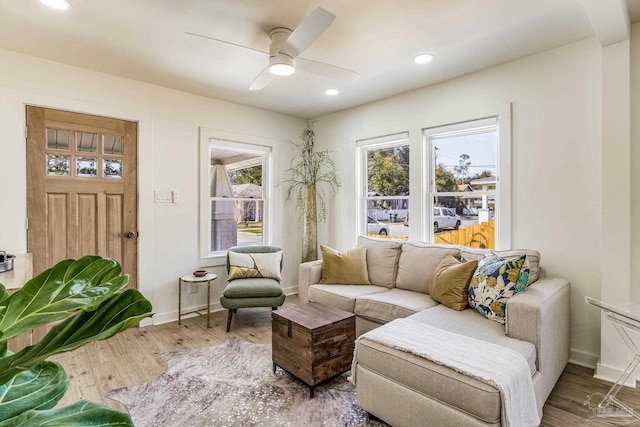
x,y
130,358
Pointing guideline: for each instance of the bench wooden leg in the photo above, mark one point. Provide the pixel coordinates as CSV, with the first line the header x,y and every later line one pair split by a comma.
x,y
229,317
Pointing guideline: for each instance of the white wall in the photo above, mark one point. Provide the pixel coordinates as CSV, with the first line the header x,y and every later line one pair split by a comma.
x,y
169,123
556,161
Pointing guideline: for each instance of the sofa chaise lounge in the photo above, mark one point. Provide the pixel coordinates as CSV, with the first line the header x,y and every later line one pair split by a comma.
x,y
402,388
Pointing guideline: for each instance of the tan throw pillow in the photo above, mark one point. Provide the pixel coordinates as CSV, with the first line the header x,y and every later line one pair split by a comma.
x,y
347,268
249,265
451,280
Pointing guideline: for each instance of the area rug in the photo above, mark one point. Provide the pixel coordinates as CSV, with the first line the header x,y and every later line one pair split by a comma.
x,y
233,384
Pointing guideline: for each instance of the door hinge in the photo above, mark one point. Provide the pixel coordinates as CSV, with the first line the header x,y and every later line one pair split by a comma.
x,y
25,132
26,224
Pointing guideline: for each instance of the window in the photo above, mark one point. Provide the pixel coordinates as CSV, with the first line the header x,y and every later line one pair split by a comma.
x,y
235,206
385,185
463,182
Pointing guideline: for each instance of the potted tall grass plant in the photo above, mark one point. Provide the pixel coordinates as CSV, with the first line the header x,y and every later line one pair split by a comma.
x,y
311,173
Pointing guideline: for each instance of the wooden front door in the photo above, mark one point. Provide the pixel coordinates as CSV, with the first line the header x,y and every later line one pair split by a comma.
x,y
81,188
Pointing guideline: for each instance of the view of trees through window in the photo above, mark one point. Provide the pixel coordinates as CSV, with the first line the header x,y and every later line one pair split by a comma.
x,y
461,191
387,195
463,186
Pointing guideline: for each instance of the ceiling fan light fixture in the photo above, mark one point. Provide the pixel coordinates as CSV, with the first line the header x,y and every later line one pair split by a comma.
x,y
57,4
281,65
423,58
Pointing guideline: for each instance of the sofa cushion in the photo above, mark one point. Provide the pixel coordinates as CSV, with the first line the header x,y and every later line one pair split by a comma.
x,y
349,268
341,296
533,258
443,384
382,260
451,280
393,304
470,323
257,287
493,283
418,262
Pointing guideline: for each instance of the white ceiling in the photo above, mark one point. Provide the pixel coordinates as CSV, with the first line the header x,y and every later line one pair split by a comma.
x,y
144,40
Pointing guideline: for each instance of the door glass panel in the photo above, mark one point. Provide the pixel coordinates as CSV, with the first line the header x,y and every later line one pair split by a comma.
x,y
112,168
57,139
86,166
113,144
58,165
87,142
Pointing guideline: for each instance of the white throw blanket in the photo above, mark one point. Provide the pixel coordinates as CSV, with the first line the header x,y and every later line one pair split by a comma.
x,y
501,367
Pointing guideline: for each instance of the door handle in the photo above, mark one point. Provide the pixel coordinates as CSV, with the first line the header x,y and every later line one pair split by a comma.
x,y
130,234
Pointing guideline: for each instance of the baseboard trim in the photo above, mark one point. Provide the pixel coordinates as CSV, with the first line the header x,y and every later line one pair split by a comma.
x,y
172,316
583,358
611,374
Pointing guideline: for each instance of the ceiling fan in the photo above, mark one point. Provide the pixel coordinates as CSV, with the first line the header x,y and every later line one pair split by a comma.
x,y
287,44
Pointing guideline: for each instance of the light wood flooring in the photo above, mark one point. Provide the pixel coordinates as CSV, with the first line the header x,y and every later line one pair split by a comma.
x,y
130,358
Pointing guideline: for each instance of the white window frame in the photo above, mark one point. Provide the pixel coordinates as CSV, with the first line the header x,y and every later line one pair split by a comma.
x,y
363,146
502,193
246,143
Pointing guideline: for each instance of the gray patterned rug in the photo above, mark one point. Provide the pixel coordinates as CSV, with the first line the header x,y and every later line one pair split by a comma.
x,y
232,384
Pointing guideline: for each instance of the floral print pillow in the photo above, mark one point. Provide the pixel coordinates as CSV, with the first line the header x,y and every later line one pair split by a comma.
x,y
494,282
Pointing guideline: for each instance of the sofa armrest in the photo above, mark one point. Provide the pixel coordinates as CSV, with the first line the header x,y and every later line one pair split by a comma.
x,y
309,273
541,316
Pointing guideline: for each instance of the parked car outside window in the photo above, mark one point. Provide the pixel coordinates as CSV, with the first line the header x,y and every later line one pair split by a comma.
x,y
445,218
375,227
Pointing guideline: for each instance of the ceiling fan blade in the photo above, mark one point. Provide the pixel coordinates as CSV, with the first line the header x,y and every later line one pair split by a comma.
x,y
312,27
263,79
327,70
225,42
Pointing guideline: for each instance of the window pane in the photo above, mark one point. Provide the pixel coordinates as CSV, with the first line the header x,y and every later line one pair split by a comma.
x,y
87,142
388,171
86,166
112,169
224,228
473,227
236,174
112,144
465,162
388,217
58,165
250,215
57,139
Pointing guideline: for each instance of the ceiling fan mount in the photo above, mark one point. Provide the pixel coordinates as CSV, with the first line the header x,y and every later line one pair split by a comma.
x,y
287,44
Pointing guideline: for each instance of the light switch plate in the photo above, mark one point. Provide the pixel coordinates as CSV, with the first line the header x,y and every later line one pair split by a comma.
x,y
163,197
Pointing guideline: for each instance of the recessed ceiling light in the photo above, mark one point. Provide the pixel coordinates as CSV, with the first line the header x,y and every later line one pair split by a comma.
x,y
57,4
423,58
331,92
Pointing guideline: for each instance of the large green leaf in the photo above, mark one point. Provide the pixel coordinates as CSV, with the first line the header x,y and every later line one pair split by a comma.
x,y
53,295
3,293
118,313
79,414
38,388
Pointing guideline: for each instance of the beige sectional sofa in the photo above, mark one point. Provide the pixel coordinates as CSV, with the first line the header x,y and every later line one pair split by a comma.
x,y
406,390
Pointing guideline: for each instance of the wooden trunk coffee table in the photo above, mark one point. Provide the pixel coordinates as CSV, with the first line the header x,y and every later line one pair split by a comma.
x,y
313,342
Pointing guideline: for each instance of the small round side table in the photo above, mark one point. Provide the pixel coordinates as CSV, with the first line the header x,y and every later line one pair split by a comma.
x,y
190,278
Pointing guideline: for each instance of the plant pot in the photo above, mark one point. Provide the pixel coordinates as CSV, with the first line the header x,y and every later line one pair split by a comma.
x,y
310,224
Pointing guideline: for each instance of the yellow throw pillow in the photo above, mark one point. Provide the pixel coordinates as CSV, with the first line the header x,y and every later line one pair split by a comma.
x,y
451,281
347,268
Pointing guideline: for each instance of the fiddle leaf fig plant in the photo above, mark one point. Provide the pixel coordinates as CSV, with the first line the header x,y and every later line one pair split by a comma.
x,y
86,297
